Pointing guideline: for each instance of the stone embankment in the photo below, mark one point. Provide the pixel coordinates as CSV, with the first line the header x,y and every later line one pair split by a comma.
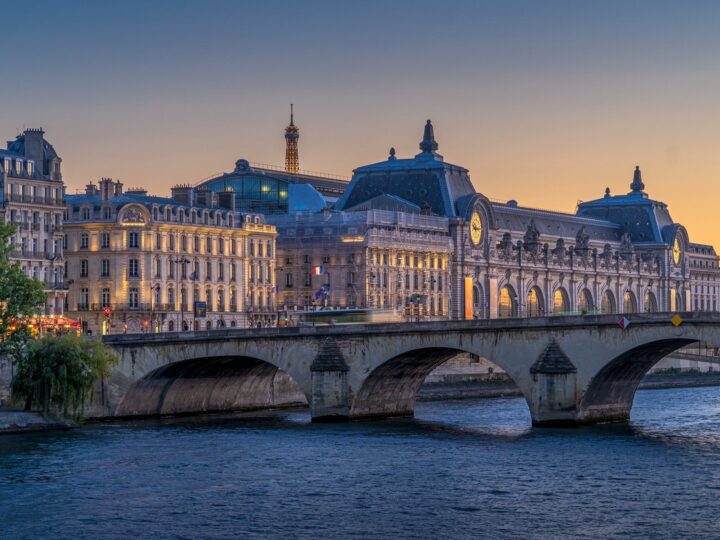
x,y
12,421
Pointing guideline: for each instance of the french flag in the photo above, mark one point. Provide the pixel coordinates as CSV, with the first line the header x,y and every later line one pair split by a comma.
x,y
317,270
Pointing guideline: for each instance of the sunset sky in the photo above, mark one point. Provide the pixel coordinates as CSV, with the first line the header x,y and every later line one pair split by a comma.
x,y
545,102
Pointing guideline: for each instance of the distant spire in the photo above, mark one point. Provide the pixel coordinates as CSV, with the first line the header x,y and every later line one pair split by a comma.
x,y
637,183
292,134
428,143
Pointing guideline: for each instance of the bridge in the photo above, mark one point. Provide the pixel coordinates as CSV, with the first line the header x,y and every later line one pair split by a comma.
x,y
571,370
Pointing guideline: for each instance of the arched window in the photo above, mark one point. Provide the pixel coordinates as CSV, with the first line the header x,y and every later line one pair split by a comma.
x,y
561,304
585,301
507,304
650,302
608,303
535,303
171,326
629,302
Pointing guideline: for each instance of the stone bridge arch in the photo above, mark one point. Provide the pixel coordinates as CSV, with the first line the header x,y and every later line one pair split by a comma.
x,y
165,377
393,369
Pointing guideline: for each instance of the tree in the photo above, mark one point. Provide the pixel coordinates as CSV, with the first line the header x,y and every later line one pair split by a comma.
x,y
20,295
20,298
60,372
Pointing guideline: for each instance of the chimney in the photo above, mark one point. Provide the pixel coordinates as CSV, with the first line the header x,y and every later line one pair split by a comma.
x,y
34,146
118,188
106,191
182,193
91,189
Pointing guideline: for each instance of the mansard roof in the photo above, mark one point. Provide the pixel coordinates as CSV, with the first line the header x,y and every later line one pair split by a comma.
x,y
550,224
386,201
18,147
645,219
425,180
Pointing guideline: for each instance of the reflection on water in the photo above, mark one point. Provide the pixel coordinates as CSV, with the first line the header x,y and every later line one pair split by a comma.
x,y
460,469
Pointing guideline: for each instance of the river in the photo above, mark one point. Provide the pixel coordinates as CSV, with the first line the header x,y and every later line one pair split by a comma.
x,y
459,469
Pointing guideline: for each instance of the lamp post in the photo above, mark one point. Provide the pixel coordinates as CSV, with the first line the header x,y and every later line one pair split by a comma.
x,y
178,261
153,306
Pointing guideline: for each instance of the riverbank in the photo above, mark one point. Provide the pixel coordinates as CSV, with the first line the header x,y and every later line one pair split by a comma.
x,y
491,386
13,421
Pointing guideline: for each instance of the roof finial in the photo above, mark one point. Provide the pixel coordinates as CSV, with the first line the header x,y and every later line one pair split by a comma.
x,y
428,143
392,157
637,183
607,191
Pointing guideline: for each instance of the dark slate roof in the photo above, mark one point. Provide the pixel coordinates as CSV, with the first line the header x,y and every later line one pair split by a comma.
x,y
18,146
423,180
125,198
386,202
553,361
552,225
329,358
645,219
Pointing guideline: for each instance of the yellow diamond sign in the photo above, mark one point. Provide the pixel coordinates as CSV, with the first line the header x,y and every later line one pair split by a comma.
x,y
676,320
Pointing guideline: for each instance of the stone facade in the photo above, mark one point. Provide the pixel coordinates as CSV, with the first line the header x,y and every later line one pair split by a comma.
x,y
138,263
364,259
32,196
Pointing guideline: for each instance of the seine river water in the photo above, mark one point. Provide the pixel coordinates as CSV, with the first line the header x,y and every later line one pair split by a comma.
x,y
459,469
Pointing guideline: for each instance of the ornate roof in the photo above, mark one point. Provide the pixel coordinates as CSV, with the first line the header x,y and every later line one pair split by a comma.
x,y
425,180
645,219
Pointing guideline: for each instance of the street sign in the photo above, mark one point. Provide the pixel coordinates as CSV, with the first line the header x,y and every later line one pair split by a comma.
x,y
676,320
623,322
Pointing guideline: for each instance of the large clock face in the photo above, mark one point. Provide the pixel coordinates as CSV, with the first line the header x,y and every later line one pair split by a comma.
x,y
475,228
677,252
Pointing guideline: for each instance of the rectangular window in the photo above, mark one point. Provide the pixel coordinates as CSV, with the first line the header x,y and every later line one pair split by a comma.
x,y
105,240
158,268
158,241
133,240
105,297
105,268
208,271
84,298
232,271
133,297
288,281
221,246
171,242
84,241
83,268
209,245
134,268
221,271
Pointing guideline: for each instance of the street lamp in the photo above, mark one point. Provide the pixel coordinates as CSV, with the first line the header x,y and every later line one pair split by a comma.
x,y
178,261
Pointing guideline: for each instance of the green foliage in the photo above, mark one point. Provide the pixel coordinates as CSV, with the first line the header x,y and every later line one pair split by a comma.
x,y
20,295
60,372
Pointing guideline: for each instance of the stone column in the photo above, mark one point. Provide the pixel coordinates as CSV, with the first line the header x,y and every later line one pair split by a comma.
x,y
329,401
554,389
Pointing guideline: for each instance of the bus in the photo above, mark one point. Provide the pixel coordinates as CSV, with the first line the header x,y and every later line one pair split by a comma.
x,y
331,317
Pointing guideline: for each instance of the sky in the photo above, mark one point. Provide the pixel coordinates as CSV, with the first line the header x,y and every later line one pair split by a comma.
x,y
545,102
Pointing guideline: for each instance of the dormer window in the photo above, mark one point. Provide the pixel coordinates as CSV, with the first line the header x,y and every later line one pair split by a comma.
x,y
106,212
85,213
18,166
30,167
8,165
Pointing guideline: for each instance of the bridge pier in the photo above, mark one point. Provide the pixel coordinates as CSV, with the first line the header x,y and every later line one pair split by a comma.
x,y
328,374
553,400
